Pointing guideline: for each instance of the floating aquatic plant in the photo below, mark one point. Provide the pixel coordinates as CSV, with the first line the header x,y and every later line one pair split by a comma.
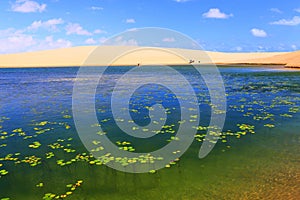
x,y
34,145
41,184
32,160
125,145
3,172
49,155
269,125
70,189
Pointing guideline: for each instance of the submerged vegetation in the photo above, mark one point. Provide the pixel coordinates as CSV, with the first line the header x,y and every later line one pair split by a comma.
x,y
41,152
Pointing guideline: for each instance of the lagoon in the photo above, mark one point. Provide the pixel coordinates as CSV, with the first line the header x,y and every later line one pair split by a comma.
x,y
257,157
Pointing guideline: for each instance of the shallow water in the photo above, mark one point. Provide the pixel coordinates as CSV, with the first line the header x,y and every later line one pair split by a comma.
x,y
256,158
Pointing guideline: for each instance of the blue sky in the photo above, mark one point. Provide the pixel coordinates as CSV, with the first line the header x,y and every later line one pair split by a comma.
x,y
217,25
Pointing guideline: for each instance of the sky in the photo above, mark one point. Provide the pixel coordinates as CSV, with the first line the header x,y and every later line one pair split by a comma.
x,y
217,25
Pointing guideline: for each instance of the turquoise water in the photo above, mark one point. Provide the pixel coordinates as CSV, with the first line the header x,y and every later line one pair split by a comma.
x,y
257,157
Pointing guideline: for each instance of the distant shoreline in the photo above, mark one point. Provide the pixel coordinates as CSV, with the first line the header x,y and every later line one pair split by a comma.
x,y
139,56
278,66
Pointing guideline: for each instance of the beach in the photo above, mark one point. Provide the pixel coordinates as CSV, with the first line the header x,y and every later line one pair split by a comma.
x,y
131,56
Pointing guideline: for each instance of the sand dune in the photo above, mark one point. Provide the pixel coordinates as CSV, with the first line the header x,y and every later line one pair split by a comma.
x,y
58,57
291,59
126,55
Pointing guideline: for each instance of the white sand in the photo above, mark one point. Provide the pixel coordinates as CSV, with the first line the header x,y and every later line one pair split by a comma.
x,y
121,55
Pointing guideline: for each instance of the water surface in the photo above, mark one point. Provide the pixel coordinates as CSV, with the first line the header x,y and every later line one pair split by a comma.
x,y
256,158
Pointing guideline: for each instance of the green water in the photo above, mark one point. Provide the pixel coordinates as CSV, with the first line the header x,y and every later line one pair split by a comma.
x,y
37,134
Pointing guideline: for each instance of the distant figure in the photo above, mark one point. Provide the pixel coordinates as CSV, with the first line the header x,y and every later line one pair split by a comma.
x,y
138,64
191,61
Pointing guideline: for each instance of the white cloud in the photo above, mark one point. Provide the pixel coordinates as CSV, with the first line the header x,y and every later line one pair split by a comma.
x,y
132,29
103,40
181,1
96,8
130,21
171,39
50,43
258,32
27,6
130,42
74,28
261,48
238,48
90,41
292,22
119,41
276,10
8,32
50,24
294,47
99,31
14,41
216,13
297,10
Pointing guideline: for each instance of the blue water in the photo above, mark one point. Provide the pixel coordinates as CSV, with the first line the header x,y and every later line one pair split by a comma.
x,y
263,164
